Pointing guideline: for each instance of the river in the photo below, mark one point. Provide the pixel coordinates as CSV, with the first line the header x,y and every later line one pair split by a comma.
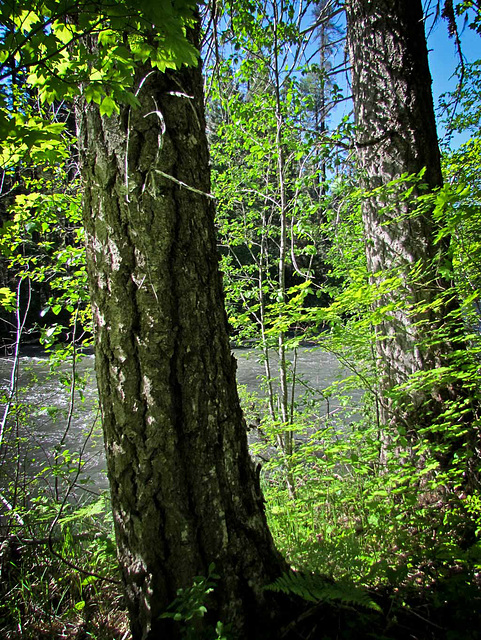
x,y
48,417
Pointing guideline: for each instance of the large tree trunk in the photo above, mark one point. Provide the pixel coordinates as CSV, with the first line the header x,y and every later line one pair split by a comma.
x,y
184,489
396,135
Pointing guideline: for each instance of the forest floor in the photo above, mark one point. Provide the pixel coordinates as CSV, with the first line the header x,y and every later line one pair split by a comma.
x,y
441,613
450,610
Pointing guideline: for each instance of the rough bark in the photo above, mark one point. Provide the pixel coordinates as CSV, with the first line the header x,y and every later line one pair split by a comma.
x,y
184,489
397,135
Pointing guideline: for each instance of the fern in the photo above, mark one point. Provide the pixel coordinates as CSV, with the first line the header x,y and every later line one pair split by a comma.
x,y
88,511
316,588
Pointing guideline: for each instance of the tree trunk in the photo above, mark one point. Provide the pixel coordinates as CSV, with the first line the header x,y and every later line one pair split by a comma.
x,y
396,135
184,489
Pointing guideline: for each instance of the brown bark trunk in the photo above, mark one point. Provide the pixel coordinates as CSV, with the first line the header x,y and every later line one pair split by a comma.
x,y
184,489
397,135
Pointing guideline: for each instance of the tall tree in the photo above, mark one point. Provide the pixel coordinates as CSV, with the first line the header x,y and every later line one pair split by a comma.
x,y
396,137
185,493
184,490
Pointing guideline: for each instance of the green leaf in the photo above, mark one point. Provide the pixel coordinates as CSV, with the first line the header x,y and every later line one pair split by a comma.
x,y
108,107
7,298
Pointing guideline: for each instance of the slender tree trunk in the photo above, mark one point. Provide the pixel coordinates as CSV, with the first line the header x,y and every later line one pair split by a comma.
x,y
261,271
184,489
286,437
397,135
321,124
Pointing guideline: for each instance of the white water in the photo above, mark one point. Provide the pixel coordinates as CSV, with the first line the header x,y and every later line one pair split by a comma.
x,y
46,422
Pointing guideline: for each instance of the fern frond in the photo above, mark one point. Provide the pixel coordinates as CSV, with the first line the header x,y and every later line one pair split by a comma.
x,y
92,509
316,588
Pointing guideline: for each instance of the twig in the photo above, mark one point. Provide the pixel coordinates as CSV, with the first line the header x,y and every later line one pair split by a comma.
x,y
71,399
10,508
16,357
51,539
183,184
86,535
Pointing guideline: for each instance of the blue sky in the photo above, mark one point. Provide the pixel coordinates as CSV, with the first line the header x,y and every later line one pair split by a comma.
x,y
443,60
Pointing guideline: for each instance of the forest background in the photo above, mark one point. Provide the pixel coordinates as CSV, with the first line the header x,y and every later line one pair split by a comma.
x,y
375,512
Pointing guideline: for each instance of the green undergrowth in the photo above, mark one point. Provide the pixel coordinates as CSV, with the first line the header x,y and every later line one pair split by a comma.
x,y
363,528
352,515
61,582
58,567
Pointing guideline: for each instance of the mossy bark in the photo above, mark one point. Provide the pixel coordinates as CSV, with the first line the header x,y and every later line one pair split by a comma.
x,y
184,489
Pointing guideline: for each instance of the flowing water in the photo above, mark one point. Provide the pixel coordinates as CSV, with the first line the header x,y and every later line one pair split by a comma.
x,y
49,418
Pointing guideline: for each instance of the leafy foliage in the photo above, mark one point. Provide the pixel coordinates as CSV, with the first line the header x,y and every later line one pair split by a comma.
x,y
46,40
190,605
